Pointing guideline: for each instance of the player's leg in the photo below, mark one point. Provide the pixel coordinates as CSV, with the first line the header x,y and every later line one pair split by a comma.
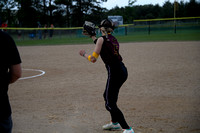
x,y
114,82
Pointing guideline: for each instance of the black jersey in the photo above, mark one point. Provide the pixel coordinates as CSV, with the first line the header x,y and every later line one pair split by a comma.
x,y
9,56
110,50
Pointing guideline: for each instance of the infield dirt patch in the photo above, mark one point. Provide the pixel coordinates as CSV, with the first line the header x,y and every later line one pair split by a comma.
x,y
161,95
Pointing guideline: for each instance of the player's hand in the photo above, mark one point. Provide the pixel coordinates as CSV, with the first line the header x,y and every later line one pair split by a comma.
x,y
82,52
93,59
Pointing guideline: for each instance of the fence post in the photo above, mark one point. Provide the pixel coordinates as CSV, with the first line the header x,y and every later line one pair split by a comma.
x,y
175,26
149,29
125,30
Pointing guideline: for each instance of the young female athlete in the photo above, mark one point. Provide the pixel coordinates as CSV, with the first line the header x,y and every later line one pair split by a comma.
x,y
107,47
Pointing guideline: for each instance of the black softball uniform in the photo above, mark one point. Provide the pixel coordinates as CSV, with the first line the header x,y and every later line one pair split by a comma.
x,y
117,75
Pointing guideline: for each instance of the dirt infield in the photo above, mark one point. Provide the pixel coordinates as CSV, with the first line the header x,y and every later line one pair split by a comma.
x,y
161,95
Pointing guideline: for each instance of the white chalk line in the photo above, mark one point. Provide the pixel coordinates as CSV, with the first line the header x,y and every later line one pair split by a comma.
x,y
42,73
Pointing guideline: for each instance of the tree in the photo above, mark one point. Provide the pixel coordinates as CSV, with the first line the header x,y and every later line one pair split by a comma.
x,y
77,11
66,6
131,2
128,15
192,8
181,11
83,8
7,11
24,10
69,13
167,10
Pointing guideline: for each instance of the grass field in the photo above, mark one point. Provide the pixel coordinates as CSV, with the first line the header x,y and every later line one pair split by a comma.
x,y
134,37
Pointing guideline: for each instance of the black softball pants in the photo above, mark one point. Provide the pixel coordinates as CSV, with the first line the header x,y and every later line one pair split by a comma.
x,y
117,75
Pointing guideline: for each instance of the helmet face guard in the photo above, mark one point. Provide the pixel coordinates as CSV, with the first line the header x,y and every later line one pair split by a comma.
x,y
107,23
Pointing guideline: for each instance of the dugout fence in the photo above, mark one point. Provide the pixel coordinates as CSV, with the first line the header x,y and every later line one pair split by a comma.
x,y
138,27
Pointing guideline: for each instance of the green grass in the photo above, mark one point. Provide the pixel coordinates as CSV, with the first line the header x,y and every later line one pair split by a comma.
x,y
135,37
160,37
53,41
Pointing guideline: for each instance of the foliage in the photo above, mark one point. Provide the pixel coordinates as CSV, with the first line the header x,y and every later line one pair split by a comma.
x,y
73,13
130,13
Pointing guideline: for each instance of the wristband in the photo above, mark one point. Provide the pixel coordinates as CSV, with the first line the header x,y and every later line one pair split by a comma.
x,y
89,58
95,55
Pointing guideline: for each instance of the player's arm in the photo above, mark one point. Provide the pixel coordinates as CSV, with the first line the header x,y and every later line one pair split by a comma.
x,y
15,72
93,58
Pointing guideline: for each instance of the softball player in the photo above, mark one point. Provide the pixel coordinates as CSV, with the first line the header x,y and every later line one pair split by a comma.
x,y
107,47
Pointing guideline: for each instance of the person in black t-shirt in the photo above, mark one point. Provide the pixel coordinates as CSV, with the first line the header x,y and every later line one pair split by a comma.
x,y
10,71
107,47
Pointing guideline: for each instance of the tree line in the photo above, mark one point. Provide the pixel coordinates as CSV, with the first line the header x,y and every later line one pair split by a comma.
x,y
73,13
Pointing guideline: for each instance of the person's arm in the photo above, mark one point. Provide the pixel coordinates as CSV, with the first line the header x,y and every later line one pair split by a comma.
x,y
96,52
15,72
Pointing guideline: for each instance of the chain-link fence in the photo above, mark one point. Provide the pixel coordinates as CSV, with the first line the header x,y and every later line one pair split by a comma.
x,y
139,27
170,25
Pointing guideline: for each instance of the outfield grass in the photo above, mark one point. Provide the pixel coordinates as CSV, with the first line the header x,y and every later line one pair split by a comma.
x,y
54,41
139,37
161,37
